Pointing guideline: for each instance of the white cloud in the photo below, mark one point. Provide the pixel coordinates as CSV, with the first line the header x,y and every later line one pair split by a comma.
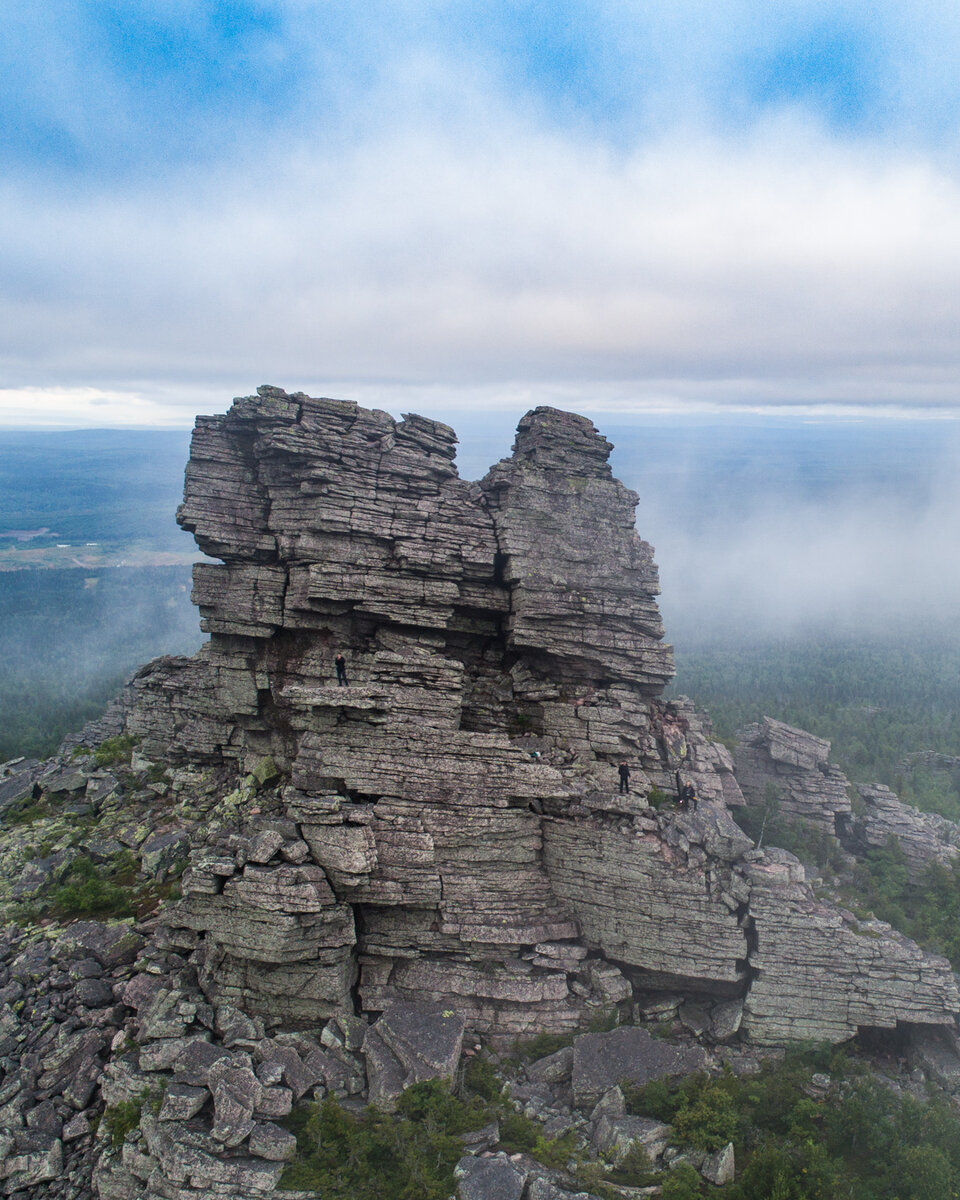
x,y
496,259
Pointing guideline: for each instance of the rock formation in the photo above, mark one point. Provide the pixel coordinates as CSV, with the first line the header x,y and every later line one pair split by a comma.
x,y
451,830
776,762
793,766
441,833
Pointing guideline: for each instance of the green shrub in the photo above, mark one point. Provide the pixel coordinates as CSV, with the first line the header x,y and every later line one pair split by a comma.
x,y
481,1079
682,1183
709,1121
634,1169
25,812
120,1119
658,1099
114,750
374,1156
530,1049
85,892
604,1020
518,1134
657,798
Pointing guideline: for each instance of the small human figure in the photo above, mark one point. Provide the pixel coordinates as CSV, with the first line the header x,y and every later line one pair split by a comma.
x,y
624,772
688,796
341,665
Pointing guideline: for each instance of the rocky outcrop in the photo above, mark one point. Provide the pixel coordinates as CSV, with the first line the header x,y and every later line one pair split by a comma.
x,y
504,651
924,838
792,767
436,839
789,770
818,973
451,830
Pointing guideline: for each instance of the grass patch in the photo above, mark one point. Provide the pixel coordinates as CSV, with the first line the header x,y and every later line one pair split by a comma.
x,y
114,750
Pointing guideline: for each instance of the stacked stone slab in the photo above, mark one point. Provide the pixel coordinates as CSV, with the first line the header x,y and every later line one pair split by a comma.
x,y
791,766
440,840
775,760
819,974
479,622
582,583
924,838
451,829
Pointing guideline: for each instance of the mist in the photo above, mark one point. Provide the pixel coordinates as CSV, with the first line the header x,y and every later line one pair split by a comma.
x,y
769,526
793,528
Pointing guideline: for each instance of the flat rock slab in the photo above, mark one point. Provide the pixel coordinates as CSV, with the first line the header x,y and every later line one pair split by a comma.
x,y
543,1189
603,1060
427,1040
18,781
554,1068
110,945
494,1178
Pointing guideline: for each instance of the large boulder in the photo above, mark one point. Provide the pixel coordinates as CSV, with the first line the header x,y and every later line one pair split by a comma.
x,y
629,1054
409,1044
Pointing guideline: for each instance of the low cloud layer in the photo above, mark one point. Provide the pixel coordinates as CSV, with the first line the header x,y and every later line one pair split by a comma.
x,y
853,560
767,273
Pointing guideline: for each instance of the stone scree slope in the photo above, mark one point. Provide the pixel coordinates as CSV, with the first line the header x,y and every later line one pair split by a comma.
x,y
452,830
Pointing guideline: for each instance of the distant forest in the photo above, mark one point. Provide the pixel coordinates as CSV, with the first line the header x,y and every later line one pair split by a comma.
x,y
112,486
69,638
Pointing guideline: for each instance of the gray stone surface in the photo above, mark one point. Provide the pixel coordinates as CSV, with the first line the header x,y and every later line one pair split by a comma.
x,y
720,1168
615,1137
489,1178
604,1060
924,838
795,766
441,841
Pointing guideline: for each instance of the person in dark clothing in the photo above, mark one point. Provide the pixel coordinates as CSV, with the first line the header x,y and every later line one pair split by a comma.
x,y
341,665
688,796
624,772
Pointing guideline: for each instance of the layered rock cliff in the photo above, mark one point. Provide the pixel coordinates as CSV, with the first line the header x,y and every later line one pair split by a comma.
x,y
451,826
790,769
443,828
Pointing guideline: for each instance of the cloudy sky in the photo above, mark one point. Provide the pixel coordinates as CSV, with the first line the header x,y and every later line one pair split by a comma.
x,y
615,205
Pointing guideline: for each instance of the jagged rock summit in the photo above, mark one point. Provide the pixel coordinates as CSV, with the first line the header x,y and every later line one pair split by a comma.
x,y
451,827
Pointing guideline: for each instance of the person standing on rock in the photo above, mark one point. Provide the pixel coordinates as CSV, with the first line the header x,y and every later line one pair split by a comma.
x,y
624,772
341,665
688,796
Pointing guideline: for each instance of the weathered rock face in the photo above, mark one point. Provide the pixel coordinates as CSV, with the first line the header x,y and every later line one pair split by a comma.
x,y
793,766
818,973
452,831
924,838
775,761
438,837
